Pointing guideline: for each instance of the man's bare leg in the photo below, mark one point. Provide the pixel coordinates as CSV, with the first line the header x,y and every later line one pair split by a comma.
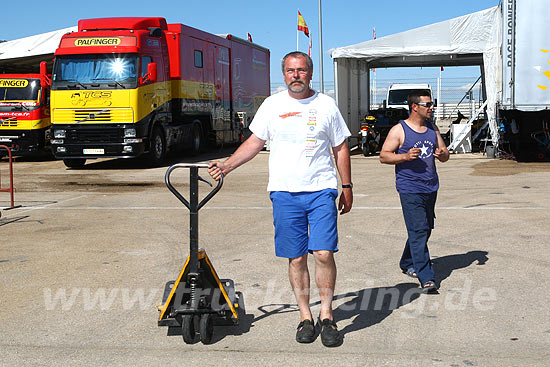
x,y
325,277
299,280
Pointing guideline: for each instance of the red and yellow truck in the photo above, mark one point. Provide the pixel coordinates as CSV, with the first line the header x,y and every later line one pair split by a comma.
x,y
25,112
125,87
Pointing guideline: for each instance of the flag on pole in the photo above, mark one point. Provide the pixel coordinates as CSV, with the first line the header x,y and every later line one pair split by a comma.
x,y
302,26
249,37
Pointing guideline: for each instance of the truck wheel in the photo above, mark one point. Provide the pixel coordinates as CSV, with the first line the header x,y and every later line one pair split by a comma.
x,y
188,330
206,328
74,162
157,152
196,142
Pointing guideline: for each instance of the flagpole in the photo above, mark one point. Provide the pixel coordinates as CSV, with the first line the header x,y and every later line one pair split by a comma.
x,y
438,110
322,84
374,72
298,34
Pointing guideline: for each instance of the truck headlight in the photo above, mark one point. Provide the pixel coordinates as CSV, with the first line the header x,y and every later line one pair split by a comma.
x,y
59,134
130,133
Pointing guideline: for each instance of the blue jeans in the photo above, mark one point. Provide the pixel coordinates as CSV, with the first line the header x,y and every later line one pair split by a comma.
x,y
418,212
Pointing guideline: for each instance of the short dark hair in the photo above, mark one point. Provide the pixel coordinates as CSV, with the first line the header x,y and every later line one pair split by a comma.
x,y
414,96
297,54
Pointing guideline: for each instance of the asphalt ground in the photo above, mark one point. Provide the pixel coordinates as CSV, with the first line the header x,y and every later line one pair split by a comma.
x,y
84,261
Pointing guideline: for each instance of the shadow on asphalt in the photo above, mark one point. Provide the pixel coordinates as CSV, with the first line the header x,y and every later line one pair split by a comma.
x,y
445,265
4,221
367,307
371,306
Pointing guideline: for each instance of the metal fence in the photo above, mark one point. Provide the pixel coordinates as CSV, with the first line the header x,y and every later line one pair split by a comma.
x,y
453,94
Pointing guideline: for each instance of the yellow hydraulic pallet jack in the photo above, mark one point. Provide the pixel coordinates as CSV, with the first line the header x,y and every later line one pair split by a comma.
x,y
198,295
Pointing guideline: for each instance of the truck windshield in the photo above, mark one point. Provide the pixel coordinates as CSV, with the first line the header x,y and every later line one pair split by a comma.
x,y
95,70
399,96
19,89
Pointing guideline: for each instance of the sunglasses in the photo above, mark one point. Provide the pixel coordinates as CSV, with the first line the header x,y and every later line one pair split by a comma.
x,y
425,104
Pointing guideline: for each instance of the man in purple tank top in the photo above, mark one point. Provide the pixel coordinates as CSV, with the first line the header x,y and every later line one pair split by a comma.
x,y
412,146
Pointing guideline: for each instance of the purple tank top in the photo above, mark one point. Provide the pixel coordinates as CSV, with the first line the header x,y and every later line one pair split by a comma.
x,y
420,175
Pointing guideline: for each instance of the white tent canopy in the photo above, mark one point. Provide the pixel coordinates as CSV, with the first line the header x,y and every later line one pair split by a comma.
x,y
24,53
473,39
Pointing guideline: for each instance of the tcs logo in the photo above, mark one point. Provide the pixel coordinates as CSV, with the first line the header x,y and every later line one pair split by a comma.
x,y
95,98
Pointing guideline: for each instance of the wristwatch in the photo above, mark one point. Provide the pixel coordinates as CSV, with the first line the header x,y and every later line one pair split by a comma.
x,y
348,186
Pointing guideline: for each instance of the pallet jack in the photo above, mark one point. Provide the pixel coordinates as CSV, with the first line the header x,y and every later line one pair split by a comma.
x,y
198,295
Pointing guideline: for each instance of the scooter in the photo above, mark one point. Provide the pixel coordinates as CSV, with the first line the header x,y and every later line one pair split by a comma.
x,y
369,137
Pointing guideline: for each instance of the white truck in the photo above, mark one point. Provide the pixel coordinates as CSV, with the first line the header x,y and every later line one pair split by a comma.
x,y
397,94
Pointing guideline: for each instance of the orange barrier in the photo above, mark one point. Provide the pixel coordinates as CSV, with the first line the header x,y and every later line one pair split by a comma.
x,y
11,189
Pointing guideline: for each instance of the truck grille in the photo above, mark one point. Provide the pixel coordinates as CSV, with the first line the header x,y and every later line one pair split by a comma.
x,y
91,136
8,123
95,115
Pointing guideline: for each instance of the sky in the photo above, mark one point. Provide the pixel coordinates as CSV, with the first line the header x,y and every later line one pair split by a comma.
x,y
272,24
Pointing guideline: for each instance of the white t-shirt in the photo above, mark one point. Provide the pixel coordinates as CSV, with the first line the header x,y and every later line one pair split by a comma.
x,y
302,133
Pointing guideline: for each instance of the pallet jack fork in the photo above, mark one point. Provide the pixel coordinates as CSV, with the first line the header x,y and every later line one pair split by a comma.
x,y
198,295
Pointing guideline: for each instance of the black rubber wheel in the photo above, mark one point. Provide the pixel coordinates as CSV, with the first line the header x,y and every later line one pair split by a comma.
x,y
74,162
206,328
157,152
196,142
366,149
188,330
373,147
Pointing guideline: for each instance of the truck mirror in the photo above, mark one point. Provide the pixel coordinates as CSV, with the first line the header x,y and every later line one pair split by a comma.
x,y
384,104
44,74
151,75
152,72
435,102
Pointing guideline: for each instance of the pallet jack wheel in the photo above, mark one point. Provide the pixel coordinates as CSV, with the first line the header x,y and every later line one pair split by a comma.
x,y
206,328
188,330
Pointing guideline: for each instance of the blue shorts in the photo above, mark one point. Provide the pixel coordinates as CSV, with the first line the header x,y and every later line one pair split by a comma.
x,y
304,221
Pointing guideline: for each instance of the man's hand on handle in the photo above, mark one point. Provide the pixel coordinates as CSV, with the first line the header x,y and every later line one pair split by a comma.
x,y
215,169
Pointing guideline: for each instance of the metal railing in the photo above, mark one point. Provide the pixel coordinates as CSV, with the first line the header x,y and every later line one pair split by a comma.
x,y
10,189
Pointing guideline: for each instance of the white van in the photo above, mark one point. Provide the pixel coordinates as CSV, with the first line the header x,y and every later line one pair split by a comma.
x,y
397,94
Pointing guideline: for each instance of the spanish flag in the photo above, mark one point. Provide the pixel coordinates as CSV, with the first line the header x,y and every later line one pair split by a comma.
x,y
302,26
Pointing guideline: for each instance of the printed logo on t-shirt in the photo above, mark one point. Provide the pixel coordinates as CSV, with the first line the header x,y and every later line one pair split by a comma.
x,y
426,148
290,114
311,140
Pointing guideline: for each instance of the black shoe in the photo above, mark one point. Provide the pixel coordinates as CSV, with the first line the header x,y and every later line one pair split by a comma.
x,y
429,287
329,333
306,332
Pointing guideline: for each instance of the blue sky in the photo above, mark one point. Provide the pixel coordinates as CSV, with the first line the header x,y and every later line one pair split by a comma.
x,y
272,24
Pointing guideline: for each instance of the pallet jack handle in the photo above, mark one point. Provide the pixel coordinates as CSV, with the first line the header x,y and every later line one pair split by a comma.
x,y
193,205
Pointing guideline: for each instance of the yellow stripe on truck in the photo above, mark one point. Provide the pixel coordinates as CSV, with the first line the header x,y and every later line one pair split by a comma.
x,y
25,124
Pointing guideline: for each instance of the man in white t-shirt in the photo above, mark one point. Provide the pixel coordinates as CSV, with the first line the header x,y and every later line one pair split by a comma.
x,y
305,129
